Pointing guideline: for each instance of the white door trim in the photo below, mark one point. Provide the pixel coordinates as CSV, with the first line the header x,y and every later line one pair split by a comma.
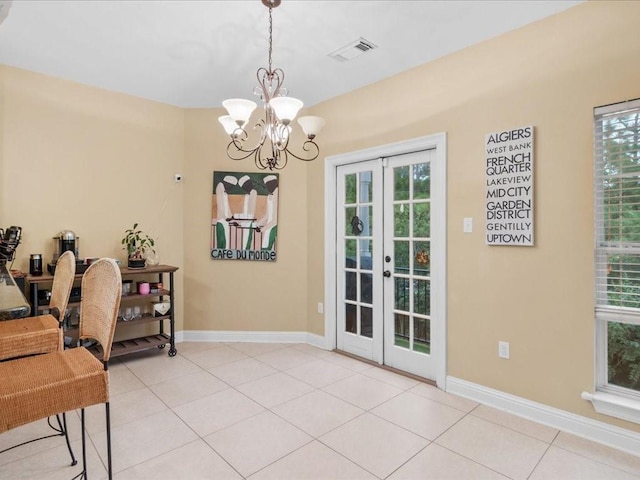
x,y
439,194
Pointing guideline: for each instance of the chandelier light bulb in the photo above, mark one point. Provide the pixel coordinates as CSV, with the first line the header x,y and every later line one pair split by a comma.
x,y
286,108
311,125
239,109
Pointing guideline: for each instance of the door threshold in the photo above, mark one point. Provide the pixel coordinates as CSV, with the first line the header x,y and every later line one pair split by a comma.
x,y
387,368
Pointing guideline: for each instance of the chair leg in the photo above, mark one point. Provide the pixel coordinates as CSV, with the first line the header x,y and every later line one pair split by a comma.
x,y
83,473
108,419
63,427
60,430
84,447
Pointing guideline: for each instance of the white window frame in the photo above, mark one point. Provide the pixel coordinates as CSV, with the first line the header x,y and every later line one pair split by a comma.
x,y
609,399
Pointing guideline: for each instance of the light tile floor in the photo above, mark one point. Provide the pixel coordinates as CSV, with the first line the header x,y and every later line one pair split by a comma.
x,y
280,411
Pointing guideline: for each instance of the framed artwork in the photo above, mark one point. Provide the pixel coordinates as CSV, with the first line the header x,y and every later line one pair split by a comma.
x,y
244,216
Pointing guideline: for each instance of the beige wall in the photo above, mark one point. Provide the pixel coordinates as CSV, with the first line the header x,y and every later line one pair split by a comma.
x,y
92,161
540,299
241,295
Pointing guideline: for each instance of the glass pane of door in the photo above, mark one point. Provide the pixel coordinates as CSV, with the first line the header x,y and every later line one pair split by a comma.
x,y
358,217
411,234
407,245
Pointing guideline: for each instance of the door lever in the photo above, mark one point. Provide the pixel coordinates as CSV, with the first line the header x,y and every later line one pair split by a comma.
x,y
386,273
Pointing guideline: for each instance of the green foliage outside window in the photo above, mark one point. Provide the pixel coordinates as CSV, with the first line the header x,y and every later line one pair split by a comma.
x,y
624,355
621,223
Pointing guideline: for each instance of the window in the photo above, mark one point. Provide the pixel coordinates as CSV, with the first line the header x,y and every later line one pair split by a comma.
x,y
617,210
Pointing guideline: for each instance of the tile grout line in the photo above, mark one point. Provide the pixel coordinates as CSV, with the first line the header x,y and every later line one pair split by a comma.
x,y
198,436
546,450
434,441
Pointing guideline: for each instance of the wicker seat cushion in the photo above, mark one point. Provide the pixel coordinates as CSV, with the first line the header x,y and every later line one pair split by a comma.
x,y
29,336
38,387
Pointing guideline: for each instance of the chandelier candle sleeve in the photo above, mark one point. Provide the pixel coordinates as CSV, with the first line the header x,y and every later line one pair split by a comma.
x,y
271,149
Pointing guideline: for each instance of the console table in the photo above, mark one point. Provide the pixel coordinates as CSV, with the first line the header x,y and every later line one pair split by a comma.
x,y
122,347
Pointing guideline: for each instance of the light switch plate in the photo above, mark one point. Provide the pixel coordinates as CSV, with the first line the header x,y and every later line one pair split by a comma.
x,y
503,350
467,225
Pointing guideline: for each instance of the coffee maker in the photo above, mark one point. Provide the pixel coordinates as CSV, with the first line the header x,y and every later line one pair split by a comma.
x,y
65,241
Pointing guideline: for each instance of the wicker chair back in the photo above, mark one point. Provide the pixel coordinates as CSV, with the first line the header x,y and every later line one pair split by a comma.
x,y
101,292
62,282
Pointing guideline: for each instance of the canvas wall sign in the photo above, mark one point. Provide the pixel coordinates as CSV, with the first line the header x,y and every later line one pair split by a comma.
x,y
509,187
244,216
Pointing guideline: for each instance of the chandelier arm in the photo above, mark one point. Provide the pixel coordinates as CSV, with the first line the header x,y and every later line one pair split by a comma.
x,y
264,80
271,157
269,83
236,153
278,73
276,162
284,158
240,136
308,146
259,164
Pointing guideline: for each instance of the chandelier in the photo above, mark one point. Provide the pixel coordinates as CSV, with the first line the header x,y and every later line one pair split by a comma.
x,y
274,129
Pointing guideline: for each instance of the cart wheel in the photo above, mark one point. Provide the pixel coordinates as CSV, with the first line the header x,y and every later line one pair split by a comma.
x,y
172,352
161,346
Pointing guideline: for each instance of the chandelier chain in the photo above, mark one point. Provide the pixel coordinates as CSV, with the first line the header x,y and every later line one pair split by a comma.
x,y
270,38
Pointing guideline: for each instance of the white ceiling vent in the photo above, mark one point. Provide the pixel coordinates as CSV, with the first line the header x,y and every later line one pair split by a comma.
x,y
352,50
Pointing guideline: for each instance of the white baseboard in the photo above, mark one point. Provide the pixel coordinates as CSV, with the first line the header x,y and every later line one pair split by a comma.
x,y
262,337
616,437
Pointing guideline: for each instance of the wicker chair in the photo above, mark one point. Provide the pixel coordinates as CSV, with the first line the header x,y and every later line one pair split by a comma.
x,y
40,386
42,333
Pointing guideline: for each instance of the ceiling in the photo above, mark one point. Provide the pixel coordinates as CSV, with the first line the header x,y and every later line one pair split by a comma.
x,y
196,53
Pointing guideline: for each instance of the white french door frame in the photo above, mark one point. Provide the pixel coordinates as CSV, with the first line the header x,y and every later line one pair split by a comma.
x,y
439,225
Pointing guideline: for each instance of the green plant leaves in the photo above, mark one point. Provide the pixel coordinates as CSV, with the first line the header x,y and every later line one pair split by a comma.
x,y
136,242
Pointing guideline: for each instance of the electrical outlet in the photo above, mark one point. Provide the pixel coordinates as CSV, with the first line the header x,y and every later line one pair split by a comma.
x,y
178,177
503,350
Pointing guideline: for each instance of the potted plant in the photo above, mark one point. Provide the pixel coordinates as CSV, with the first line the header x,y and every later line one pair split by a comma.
x,y
137,244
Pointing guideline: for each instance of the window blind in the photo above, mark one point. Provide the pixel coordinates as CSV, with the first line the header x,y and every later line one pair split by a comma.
x,y
617,210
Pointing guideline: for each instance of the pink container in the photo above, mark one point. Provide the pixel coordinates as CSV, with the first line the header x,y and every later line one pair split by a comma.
x,y
143,288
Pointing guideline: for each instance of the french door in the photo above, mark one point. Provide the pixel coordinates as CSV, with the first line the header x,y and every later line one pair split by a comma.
x,y
385,281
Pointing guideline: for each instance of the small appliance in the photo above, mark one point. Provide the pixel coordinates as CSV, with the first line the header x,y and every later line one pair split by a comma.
x,y
64,241
35,264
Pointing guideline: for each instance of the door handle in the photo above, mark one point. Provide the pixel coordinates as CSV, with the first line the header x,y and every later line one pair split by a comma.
x,y
386,273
